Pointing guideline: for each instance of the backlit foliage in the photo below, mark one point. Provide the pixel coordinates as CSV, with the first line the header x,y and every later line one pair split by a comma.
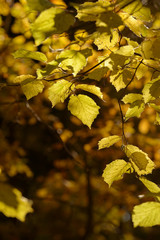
x,y
101,61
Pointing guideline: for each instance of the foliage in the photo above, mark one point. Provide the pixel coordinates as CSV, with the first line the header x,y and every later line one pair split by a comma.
x,y
100,60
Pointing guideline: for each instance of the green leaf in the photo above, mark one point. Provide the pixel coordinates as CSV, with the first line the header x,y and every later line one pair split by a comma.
x,y
84,108
108,141
98,73
91,88
151,90
13,204
39,5
74,60
41,73
132,97
146,214
51,21
135,109
120,78
140,161
59,91
22,53
115,171
31,87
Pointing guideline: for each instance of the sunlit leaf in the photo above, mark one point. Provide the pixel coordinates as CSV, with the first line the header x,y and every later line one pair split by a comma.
x,y
152,187
22,53
19,79
146,214
74,60
135,25
13,204
135,109
142,69
120,78
127,50
140,161
136,9
104,40
108,141
91,88
151,90
39,5
151,48
134,14
51,21
89,11
132,97
32,87
84,108
115,171
59,91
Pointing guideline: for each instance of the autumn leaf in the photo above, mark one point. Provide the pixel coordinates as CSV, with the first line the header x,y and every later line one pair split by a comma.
x,y
74,60
13,204
108,141
22,53
140,161
84,108
146,214
115,171
59,91
91,88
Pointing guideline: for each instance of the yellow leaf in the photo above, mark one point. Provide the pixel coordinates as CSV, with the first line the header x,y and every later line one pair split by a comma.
x,y
12,203
108,141
59,91
31,87
152,187
135,109
84,108
115,171
22,53
146,214
74,60
51,21
91,88
120,78
141,163
89,11
151,90
132,97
